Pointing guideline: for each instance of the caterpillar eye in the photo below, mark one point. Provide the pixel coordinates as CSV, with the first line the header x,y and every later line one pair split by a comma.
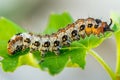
x,y
27,40
64,38
74,33
37,43
90,25
19,47
47,44
56,43
82,27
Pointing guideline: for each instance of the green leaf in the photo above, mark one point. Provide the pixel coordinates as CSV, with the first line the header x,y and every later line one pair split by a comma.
x,y
7,30
57,21
116,27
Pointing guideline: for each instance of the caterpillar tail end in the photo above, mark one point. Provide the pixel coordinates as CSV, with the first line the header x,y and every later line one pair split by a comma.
x,y
107,28
110,25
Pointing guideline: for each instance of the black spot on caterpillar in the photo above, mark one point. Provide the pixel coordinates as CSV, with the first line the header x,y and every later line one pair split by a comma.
x,y
63,37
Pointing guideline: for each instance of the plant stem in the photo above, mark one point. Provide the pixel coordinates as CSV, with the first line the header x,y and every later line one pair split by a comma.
x,y
117,37
102,62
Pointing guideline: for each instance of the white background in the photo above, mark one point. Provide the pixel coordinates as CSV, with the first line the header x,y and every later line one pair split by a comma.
x,y
33,16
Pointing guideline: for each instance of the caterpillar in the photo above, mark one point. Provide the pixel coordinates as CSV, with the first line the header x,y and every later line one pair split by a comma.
x,y
55,41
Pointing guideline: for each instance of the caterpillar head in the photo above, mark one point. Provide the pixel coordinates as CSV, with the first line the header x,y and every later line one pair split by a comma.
x,y
15,44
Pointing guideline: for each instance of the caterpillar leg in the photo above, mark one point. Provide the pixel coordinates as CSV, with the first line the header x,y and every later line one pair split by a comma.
x,y
42,56
19,47
83,36
57,51
66,43
32,50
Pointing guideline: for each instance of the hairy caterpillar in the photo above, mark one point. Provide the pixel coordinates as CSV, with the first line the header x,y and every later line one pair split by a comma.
x,y
63,37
